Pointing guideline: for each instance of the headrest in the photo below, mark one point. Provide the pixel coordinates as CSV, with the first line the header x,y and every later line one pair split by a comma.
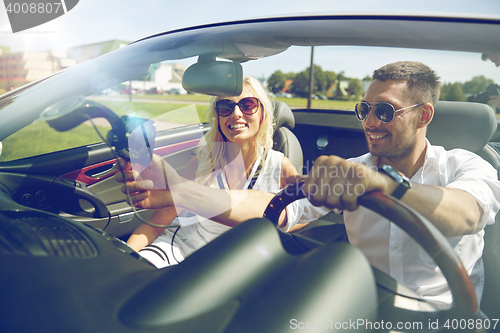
x,y
463,125
283,115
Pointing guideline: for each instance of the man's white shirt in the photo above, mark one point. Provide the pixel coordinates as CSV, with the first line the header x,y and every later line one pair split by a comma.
x,y
390,249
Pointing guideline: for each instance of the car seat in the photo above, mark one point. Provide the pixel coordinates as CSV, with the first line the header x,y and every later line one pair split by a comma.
x,y
470,126
284,140
330,227
465,125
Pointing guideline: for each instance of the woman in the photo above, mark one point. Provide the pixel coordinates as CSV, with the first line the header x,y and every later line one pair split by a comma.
x,y
236,155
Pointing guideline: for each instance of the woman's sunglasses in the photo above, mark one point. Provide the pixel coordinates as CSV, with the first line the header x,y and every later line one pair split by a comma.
x,y
247,105
384,111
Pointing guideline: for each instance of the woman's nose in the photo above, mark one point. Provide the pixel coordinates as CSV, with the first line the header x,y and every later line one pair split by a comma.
x,y
237,112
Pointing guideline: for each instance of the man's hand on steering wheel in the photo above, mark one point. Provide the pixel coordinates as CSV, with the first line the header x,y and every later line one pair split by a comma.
x,y
336,183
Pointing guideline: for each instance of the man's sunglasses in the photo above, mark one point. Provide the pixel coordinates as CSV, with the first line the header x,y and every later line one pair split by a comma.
x,y
384,111
247,105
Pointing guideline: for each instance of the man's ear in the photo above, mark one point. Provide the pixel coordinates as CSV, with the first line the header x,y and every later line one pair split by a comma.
x,y
426,115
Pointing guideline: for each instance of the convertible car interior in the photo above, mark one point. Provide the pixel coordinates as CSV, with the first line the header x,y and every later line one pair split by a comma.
x,y
64,219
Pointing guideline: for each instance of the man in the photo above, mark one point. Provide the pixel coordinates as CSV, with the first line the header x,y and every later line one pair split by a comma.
x,y
455,190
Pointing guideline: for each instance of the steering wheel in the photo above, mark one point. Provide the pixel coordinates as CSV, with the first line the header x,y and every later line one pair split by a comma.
x,y
418,227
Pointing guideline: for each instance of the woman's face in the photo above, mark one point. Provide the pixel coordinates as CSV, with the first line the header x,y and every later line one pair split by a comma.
x,y
238,127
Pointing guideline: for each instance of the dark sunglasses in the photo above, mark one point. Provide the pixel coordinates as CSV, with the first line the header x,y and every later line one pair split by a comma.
x,y
247,105
384,111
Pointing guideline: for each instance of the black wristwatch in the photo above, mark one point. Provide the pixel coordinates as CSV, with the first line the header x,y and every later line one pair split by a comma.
x,y
402,180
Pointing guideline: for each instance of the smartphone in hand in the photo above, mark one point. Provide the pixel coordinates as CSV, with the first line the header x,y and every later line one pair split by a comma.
x,y
141,134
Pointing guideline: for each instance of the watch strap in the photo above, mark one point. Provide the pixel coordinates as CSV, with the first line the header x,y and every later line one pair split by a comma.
x,y
403,181
400,191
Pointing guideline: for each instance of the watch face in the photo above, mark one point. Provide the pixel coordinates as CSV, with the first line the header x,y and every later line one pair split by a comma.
x,y
388,170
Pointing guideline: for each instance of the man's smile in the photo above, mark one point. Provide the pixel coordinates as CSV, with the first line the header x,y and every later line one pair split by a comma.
x,y
377,136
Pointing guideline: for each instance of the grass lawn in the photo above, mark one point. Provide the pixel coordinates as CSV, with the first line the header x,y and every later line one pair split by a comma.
x,y
39,138
188,113
293,102
318,103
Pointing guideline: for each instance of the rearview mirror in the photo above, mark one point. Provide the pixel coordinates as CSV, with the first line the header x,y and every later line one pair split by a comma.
x,y
218,78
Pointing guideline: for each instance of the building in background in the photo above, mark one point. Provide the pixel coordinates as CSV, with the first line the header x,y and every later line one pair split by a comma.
x,y
162,77
20,68
4,49
90,51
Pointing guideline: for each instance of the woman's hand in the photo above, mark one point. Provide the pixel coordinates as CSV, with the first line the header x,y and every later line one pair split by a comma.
x,y
151,187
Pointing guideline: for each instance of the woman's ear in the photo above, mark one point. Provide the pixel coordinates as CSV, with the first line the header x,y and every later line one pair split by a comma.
x,y
426,115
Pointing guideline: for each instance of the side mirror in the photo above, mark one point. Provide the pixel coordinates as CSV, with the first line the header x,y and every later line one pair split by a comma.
x,y
218,78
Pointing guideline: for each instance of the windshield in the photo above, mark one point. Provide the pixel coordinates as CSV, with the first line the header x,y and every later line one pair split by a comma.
x,y
144,79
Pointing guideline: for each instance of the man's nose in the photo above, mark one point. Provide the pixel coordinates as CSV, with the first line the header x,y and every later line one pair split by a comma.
x,y
372,120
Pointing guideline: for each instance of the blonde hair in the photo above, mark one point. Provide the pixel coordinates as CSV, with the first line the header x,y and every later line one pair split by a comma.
x,y
211,153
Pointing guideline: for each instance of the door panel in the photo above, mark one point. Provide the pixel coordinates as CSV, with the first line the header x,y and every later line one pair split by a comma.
x,y
84,176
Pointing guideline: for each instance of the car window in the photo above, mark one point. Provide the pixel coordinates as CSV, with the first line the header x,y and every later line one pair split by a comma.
x,y
168,110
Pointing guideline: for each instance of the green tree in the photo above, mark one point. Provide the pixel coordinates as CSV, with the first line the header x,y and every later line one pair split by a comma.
x,y
331,78
320,80
444,91
300,85
341,76
355,89
476,85
452,92
276,81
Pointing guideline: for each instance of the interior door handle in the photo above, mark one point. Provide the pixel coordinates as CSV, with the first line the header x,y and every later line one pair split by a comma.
x,y
102,171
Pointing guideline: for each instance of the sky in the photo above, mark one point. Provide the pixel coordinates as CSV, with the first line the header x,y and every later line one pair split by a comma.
x,y
93,21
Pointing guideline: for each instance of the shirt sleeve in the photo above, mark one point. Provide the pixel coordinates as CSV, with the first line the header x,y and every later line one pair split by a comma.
x,y
309,212
472,174
302,211
293,214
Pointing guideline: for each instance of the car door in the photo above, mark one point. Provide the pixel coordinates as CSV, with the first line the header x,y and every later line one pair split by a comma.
x,y
39,171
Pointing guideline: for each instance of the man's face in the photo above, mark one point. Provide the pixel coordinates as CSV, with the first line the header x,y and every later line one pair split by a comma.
x,y
394,140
